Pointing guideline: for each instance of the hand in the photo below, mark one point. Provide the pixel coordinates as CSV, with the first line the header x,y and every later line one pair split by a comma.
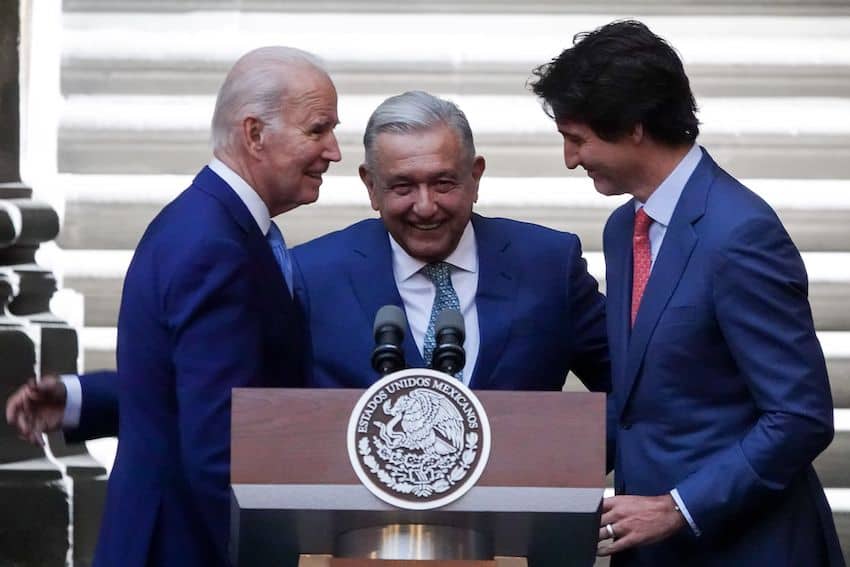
x,y
637,520
37,408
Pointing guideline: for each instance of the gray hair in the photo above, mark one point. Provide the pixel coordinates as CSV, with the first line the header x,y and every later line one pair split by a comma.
x,y
255,86
415,111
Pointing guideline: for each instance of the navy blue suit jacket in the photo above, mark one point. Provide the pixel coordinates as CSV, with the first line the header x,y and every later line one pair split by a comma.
x,y
540,313
204,310
720,390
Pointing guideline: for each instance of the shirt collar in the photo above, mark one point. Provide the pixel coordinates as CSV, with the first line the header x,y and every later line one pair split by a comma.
x,y
662,202
245,192
464,256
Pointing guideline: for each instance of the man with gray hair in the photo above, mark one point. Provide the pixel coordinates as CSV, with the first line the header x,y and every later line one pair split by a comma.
x,y
206,307
532,312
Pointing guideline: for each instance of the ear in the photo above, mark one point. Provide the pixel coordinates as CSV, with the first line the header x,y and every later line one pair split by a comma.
x,y
369,181
253,136
478,166
637,133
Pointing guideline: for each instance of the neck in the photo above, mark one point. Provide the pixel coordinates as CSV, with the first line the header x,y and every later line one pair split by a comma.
x,y
657,163
240,167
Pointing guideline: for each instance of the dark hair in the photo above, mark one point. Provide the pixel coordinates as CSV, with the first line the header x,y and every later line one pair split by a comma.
x,y
617,76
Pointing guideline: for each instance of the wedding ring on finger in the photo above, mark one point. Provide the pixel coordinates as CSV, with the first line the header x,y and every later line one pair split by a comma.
x,y
610,529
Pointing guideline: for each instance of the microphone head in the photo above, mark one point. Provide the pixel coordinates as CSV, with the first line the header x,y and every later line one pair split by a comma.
x,y
450,319
389,315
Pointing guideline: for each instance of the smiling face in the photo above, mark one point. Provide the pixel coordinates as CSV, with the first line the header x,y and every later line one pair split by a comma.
x,y
424,184
613,166
295,152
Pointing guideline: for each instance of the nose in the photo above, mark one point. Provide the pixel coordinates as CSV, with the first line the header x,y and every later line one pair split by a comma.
x,y
571,159
425,204
332,152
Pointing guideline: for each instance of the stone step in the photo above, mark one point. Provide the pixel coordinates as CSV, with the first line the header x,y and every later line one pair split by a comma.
x,y
111,211
99,275
842,521
832,463
471,53
111,75
751,137
637,7
99,346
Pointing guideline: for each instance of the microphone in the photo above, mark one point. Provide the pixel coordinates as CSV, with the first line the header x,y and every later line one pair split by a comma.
x,y
450,332
389,333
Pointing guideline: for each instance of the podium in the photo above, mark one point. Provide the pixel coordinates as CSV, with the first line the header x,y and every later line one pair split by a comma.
x,y
294,490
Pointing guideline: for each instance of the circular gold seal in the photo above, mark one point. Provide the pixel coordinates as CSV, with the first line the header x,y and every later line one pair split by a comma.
x,y
418,439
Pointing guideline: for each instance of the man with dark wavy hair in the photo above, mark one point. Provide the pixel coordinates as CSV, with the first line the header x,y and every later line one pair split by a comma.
x,y
720,398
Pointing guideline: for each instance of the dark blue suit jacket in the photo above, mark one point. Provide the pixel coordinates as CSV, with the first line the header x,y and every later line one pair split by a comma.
x,y
540,314
720,390
204,310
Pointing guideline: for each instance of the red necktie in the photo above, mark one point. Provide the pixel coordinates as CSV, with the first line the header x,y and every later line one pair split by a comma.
x,y
642,258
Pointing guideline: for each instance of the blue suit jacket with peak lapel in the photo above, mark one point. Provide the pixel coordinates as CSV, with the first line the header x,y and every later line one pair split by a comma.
x,y
204,310
720,390
539,311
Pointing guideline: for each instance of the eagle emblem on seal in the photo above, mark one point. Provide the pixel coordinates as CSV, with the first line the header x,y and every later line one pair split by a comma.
x,y
418,439
428,422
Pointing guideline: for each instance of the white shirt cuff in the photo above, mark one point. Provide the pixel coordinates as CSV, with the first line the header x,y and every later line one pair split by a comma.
x,y
684,510
73,401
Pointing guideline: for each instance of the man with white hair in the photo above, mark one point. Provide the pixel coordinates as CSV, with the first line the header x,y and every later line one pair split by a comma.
x,y
207,306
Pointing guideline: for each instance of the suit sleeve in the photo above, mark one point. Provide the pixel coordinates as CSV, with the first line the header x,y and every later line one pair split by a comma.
x,y
216,324
99,409
761,305
590,360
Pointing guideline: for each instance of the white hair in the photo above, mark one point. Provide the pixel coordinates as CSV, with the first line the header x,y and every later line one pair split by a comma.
x,y
416,111
255,86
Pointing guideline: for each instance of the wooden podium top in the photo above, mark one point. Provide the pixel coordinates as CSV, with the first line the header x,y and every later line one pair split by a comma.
x,y
298,436
335,562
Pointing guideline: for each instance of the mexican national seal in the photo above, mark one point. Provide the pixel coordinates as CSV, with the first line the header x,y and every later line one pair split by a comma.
x,y
418,439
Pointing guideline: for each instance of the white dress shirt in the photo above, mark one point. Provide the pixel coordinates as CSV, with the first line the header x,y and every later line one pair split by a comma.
x,y
260,213
418,292
662,202
247,195
660,206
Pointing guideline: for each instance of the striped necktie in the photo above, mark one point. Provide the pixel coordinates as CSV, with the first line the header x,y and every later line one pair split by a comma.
x,y
445,298
281,254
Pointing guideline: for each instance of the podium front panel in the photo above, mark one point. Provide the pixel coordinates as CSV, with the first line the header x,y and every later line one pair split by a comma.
x,y
295,492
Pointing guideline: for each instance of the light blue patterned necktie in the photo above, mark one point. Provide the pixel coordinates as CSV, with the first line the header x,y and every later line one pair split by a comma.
x,y
281,254
445,298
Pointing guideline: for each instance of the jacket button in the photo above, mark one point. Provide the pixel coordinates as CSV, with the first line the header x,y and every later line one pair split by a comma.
x,y
626,425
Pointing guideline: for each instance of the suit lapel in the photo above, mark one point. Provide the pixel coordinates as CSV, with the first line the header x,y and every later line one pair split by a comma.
x,y
618,278
289,313
495,299
679,242
374,283
209,182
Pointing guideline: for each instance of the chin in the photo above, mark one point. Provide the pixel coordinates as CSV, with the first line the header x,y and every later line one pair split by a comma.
x,y
309,196
604,188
